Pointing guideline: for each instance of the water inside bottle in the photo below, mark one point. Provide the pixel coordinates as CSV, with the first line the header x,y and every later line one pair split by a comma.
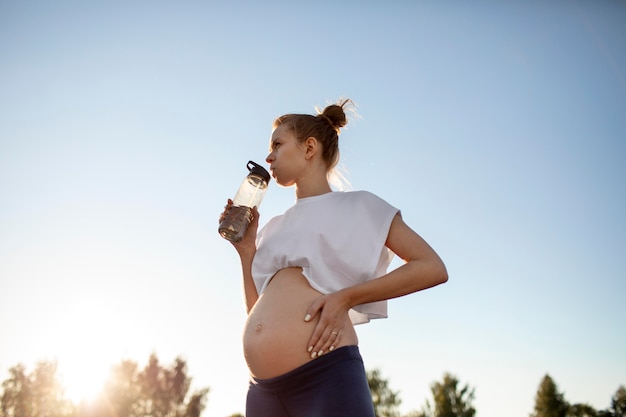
x,y
236,223
250,194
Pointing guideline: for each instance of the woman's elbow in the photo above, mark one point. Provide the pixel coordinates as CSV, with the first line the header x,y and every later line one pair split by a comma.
x,y
443,275
429,273
439,272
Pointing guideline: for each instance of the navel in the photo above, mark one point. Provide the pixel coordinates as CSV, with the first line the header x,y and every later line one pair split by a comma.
x,y
258,328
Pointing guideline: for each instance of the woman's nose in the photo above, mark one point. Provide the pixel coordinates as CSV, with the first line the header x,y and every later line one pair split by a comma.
x,y
269,158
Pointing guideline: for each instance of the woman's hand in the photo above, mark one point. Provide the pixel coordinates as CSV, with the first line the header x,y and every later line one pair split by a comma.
x,y
246,247
333,310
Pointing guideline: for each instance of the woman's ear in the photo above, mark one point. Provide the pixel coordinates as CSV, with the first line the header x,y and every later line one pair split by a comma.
x,y
311,147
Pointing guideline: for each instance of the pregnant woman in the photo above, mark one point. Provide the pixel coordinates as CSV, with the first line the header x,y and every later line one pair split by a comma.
x,y
317,270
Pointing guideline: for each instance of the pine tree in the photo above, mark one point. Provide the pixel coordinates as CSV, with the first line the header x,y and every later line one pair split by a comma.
x,y
548,401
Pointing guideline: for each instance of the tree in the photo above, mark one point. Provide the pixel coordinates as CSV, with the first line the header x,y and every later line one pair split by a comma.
x,y
16,395
448,400
618,403
386,402
549,402
581,410
37,394
155,391
121,393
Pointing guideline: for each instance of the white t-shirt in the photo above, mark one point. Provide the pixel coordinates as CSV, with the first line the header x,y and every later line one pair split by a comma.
x,y
337,238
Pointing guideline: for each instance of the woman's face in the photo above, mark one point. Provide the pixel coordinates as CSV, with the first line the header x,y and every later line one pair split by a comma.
x,y
286,157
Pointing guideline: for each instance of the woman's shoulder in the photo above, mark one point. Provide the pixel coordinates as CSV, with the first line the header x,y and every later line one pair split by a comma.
x,y
360,195
369,202
353,193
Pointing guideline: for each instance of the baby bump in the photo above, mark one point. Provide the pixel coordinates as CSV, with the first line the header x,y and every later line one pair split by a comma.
x,y
276,337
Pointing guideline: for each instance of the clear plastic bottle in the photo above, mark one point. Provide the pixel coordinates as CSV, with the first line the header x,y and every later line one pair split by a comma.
x,y
250,194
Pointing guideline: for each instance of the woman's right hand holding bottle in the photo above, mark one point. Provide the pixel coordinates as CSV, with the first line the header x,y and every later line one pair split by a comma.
x,y
246,247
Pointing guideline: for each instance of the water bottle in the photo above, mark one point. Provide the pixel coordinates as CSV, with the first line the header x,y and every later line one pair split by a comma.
x,y
250,194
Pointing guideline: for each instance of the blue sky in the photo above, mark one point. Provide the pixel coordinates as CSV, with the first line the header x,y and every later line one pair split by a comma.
x,y
498,128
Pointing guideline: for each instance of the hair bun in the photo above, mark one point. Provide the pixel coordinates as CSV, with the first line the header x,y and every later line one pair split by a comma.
x,y
336,115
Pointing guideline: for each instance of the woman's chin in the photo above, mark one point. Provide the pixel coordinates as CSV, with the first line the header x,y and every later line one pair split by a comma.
x,y
284,184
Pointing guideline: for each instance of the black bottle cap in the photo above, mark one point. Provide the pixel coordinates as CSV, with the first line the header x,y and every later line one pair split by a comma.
x,y
257,169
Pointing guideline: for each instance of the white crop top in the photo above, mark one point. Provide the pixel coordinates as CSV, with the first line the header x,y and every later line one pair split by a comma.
x,y
337,238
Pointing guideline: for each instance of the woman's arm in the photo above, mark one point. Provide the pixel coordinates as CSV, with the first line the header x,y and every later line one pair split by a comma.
x,y
250,293
246,248
423,269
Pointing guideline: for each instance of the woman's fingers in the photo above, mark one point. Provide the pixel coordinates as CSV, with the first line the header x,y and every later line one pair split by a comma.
x,y
333,340
327,332
326,343
227,208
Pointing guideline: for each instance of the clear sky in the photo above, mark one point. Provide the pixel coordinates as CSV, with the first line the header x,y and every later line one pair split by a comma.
x,y
498,128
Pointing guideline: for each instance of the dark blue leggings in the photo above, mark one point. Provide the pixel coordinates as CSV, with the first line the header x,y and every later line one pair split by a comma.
x,y
334,385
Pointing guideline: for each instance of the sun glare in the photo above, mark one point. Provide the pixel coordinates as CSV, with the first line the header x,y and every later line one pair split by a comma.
x,y
84,350
82,381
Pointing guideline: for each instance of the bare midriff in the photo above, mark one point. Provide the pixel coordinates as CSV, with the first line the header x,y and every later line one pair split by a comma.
x,y
276,337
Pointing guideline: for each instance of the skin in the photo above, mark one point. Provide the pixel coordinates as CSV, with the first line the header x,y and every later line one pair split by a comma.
x,y
301,165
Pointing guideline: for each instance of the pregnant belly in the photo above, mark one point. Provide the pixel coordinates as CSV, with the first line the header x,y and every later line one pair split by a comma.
x,y
276,337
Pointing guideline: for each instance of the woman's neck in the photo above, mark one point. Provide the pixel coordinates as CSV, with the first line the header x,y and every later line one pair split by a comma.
x,y
313,180
306,189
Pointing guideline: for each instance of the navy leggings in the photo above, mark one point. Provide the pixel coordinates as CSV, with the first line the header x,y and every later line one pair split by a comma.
x,y
334,385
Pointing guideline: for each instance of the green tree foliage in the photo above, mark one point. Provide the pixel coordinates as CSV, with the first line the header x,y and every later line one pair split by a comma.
x,y
581,410
386,402
449,399
163,391
34,394
549,402
618,403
